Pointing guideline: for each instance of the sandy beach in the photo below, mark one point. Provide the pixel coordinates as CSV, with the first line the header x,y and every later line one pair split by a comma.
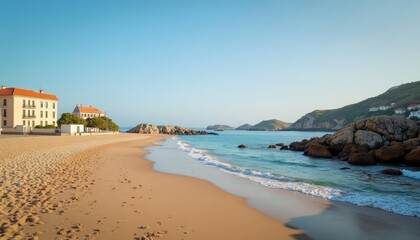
x,y
101,187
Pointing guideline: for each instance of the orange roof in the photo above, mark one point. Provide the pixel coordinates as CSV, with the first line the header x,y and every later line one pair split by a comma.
x,y
26,93
89,110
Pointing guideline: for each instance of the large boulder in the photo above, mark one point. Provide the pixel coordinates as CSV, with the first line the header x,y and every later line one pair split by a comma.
x,y
390,153
368,138
392,128
145,128
298,146
361,158
338,140
411,143
413,156
315,149
390,171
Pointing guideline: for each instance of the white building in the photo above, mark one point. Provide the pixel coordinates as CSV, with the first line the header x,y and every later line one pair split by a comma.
x,y
373,109
27,108
415,114
87,112
384,107
399,111
413,107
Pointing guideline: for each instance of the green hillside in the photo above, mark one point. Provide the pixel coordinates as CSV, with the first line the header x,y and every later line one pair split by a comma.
x,y
402,96
270,125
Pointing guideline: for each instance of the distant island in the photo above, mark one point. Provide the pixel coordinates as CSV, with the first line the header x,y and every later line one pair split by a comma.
x,y
219,127
266,125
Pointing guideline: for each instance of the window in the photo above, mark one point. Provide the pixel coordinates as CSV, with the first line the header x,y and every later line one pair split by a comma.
x,y
24,102
46,114
42,104
46,104
33,113
29,113
24,122
53,123
33,123
24,113
42,114
4,122
53,114
46,123
54,105
33,103
4,102
4,112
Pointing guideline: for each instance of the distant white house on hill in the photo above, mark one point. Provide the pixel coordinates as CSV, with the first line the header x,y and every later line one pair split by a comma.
x,y
87,112
399,111
413,107
415,114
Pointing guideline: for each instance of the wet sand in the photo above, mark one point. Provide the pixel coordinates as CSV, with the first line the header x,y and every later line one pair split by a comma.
x,y
101,187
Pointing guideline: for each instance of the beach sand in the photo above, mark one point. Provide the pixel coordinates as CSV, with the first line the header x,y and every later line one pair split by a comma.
x,y
100,187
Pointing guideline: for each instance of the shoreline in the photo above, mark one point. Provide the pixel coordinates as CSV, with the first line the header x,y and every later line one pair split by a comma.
x,y
103,187
314,215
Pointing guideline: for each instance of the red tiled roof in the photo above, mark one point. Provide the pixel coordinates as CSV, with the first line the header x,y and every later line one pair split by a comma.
x,y
26,93
89,110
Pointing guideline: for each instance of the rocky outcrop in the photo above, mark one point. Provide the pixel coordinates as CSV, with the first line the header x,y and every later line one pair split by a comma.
x,y
146,128
391,128
310,122
388,139
242,146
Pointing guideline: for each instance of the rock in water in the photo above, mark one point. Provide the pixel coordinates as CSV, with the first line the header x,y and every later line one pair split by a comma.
x,y
242,146
315,149
413,156
391,171
391,153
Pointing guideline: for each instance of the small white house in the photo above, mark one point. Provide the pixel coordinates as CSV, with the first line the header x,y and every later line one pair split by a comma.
x,y
384,107
72,128
415,114
399,111
413,106
373,109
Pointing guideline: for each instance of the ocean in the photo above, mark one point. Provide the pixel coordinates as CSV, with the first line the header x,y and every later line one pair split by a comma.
x,y
289,170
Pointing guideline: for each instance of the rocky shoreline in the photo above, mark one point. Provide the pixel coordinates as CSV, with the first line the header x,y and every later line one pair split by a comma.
x,y
380,139
146,128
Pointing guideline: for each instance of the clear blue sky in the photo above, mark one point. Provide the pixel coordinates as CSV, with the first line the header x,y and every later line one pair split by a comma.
x,y
197,62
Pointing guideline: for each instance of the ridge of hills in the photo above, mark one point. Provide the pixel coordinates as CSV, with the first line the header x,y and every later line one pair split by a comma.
x,y
396,97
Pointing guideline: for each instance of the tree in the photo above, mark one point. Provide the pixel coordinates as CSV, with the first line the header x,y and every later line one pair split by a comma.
x,y
101,123
68,118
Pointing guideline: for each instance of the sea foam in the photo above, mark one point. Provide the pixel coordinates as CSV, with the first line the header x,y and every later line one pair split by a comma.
x,y
406,207
411,174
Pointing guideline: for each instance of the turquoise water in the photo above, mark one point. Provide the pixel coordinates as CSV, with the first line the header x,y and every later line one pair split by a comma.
x,y
273,168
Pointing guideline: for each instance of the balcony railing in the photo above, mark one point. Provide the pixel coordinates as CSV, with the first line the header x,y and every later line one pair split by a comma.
x,y
28,116
28,106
